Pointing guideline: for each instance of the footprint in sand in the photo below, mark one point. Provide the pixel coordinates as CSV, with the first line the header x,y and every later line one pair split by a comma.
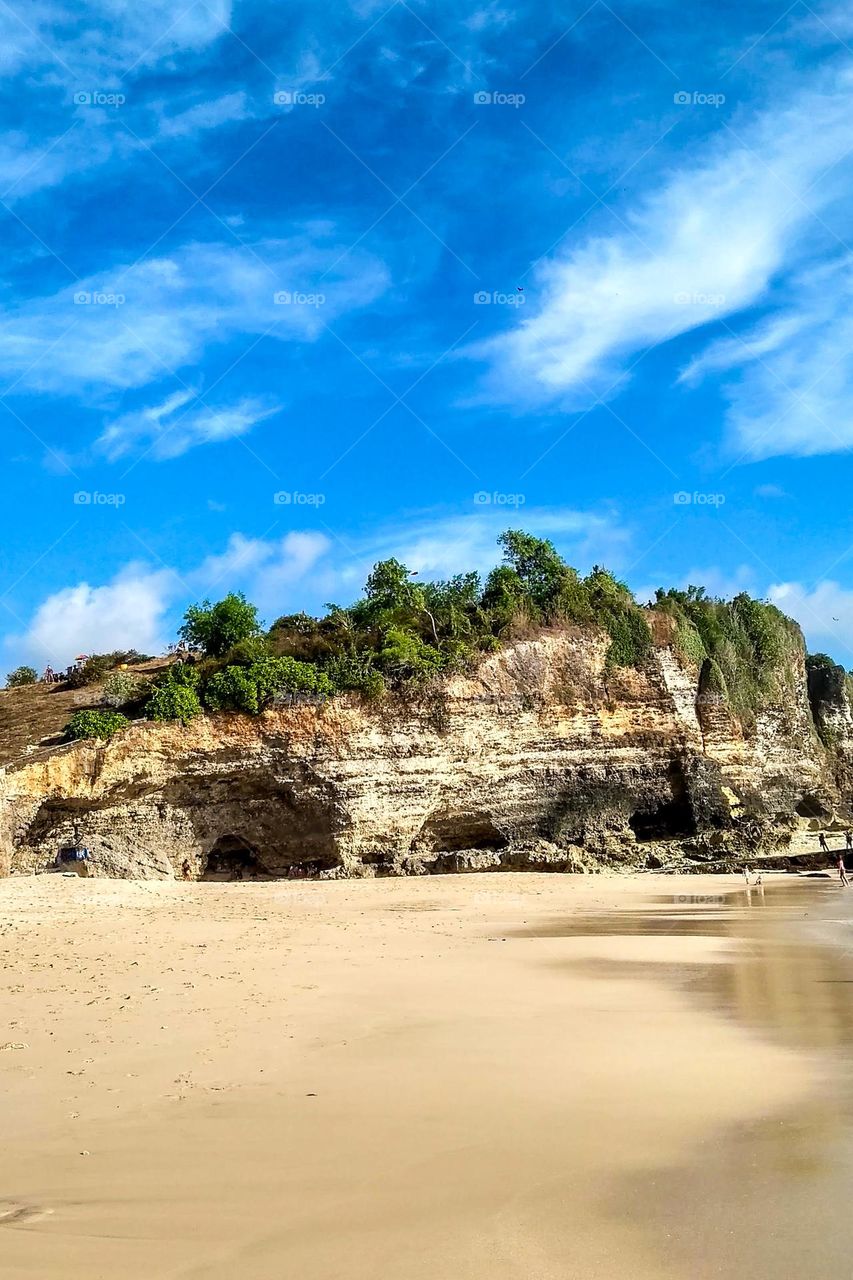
x,y
15,1215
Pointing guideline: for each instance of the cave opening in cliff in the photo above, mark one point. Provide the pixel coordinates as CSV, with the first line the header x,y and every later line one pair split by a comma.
x,y
667,821
233,858
812,806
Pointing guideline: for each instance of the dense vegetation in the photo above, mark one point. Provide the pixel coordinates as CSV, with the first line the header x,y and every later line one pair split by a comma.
x,y
95,724
745,648
402,634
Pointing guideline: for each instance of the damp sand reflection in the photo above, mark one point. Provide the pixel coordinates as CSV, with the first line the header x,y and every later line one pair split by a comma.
x,y
767,1197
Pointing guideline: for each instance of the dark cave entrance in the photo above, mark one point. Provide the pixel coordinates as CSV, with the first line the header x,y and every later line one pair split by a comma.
x,y
233,858
812,806
669,821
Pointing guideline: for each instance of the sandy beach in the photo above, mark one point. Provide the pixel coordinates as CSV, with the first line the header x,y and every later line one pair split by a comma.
x,y
479,1076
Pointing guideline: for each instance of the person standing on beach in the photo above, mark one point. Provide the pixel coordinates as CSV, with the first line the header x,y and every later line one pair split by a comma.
x,y
848,839
822,842
842,872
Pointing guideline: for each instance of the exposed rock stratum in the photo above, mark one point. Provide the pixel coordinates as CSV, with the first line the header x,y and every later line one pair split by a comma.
x,y
543,758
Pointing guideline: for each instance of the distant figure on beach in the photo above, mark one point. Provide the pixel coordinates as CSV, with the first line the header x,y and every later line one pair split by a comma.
x,y
822,842
848,838
185,869
746,875
842,872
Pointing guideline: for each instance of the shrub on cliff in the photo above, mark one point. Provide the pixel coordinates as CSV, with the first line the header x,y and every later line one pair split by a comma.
x,y
173,701
405,657
94,724
355,671
21,676
216,628
255,688
122,688
827,680
613,607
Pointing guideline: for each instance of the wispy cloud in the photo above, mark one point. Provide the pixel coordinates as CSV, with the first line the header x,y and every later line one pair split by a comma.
x,y
791,390
179,423
56,41
136,324
705,245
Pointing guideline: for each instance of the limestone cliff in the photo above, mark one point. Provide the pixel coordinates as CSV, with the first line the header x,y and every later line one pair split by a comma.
x,y
541,759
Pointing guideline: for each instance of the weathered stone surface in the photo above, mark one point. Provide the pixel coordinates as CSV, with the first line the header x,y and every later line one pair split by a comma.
x,y
542,759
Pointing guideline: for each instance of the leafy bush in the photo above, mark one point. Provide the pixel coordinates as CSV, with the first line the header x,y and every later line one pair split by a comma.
x,y
94,724
255,688
216,628
122,688
21,676
252,649
688,642
182,673
173,701
406,657
356,671
232,690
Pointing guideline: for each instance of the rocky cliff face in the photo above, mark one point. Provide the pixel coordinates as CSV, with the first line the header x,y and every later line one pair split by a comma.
x,y
542,759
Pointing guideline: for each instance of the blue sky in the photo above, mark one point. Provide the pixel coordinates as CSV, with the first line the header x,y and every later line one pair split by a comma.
x,y
287,291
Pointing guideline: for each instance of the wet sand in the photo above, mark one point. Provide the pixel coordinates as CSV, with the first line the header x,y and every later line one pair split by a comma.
x,y
464,1077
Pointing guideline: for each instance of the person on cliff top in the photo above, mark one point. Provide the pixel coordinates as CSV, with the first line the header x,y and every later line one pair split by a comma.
x,y
842,872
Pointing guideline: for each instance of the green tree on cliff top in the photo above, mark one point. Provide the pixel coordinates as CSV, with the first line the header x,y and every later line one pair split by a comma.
x,y
216,628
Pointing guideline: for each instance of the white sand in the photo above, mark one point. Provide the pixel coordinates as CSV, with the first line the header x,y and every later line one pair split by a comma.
x,y
358,1079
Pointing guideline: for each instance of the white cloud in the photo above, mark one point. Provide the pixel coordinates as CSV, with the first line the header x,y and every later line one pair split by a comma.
x,y
769,491
127,613
93,45
267,570
169,429
205,115
141,322
705,244
794,392
825,613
